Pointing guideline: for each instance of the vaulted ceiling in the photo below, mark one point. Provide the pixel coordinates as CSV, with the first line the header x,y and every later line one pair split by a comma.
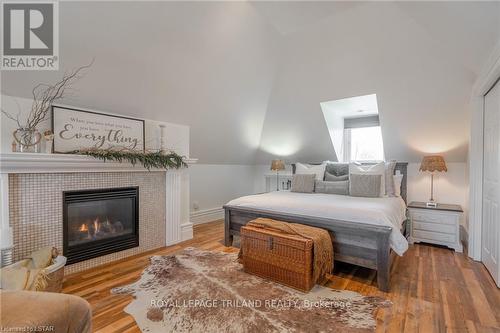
x,y
249,77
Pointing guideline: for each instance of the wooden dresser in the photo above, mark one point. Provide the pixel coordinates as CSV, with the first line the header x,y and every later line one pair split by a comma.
x,y
439,225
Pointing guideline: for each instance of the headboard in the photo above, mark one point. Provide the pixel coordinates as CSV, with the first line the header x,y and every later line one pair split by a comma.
x,y
402,167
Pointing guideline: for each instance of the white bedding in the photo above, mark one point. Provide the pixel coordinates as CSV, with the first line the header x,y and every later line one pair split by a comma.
x,y
387,211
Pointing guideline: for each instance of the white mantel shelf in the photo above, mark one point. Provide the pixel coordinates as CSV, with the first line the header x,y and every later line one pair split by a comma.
x,y
57,163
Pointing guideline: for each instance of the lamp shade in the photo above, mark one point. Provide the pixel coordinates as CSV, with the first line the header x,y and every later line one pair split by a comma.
x,y
277,165
433,163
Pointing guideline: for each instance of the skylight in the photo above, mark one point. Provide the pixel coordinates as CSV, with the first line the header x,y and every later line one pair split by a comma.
x,y
354,128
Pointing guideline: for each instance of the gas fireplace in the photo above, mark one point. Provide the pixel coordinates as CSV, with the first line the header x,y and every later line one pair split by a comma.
x,y
99,222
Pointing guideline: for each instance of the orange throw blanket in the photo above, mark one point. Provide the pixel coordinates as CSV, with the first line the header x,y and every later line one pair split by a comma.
x,y
322,249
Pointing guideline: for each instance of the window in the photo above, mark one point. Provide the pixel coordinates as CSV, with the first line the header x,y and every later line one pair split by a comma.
x,y
363,144
354,127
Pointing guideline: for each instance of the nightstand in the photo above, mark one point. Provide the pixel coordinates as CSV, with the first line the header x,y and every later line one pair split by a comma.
x,y
439,225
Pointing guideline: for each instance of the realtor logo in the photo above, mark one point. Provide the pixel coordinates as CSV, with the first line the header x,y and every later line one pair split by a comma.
x,y
30,36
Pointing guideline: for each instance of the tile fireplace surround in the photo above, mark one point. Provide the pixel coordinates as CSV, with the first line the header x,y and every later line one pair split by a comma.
x,y
32,200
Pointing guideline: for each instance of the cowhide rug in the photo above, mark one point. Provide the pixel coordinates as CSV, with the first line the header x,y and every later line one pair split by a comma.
x,y
202,291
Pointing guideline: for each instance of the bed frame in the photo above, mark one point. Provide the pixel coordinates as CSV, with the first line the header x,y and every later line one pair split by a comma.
x,y
361,244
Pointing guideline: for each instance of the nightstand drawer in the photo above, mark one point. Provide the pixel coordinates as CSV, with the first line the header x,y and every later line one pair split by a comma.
x,y
434,236
435,227
433,217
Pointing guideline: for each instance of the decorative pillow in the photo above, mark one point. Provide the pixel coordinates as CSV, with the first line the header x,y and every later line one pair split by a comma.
x,y
389,180
42,258
371,169
337,169
303,183
333,178
337,187
398,179
365,185
306,169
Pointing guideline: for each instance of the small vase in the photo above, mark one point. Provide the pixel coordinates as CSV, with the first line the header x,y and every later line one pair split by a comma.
x,y
48,146
28,140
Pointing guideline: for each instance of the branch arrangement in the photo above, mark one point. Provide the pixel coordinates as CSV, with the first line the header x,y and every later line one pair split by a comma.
x,y
149,160
44,95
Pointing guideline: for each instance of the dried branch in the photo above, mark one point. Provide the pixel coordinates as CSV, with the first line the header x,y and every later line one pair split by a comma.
x,y
44,98
44,95
11,117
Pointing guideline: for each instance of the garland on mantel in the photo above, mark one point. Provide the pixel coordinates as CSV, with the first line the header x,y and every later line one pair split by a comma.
x,y
170,160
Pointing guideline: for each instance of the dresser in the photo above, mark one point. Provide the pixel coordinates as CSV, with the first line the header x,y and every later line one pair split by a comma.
x,y
437,225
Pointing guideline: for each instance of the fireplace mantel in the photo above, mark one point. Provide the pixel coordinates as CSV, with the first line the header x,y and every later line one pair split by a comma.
x,y
57,163
178,227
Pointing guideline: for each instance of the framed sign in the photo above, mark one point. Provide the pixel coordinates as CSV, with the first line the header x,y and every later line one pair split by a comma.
x,y
80,129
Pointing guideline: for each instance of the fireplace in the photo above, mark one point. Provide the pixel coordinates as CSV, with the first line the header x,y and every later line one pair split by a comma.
x,y
99,222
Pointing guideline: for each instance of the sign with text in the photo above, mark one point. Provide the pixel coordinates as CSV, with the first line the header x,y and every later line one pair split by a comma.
x,y
79,129
30,35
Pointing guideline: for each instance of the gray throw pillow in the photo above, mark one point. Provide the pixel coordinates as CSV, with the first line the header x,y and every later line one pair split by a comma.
x,y
303,183
389,179
338,187
337,169
329,177
364,185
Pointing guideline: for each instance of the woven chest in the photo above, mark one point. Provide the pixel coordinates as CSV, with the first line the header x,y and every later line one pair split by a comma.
x,y
286,259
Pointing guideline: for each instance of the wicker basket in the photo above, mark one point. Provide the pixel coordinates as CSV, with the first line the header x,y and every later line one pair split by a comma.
x,y
55,273
286,259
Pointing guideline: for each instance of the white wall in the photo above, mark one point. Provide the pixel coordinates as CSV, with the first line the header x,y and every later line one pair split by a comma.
x,y
213,185
422,86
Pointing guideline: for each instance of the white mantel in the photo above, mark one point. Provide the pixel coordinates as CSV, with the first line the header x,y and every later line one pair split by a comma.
x,y
56,163
178,227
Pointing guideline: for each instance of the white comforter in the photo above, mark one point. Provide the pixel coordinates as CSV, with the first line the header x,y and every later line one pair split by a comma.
x,y
378,211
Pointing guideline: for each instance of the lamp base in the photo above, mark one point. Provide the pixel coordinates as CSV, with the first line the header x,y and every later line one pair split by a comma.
x,y
431,204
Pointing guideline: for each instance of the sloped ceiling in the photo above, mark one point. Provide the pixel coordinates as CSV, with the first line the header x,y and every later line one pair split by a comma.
x,y
249,77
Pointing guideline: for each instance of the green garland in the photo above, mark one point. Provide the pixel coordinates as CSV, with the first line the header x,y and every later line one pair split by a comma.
x,y
149,160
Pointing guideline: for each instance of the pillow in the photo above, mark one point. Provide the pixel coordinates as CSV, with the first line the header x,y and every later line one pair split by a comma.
x,y
389,180
305,169
398,179
337,168
42,257
303,183
372,169
337,187
333,178
365,185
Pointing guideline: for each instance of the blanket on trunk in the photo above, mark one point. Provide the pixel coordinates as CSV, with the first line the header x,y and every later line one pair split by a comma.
x,y
322,249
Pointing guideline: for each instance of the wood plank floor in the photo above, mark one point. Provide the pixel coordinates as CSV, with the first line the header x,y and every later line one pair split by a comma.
x,y
433,289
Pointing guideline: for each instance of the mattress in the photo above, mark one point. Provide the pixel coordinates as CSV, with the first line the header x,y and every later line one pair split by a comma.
x,y
386,211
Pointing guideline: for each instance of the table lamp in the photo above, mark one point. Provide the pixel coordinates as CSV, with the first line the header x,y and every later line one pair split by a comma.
x,y
277,165
432,164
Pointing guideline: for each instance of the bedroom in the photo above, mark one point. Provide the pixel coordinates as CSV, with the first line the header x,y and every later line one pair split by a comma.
x,y
344,116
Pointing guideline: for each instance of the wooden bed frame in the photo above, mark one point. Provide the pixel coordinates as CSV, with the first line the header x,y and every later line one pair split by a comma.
x,y
361,244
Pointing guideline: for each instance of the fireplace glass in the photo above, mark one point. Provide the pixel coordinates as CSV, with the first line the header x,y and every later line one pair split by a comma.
x,y
98,222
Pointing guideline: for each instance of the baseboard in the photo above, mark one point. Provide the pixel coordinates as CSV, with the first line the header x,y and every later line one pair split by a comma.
x,y
207,215
186,231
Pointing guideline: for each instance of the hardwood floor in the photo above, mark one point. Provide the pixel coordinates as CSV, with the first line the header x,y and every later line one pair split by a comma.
x,y
433,289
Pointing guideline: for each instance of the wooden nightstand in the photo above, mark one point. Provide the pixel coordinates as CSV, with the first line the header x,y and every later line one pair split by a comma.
x,y
438,225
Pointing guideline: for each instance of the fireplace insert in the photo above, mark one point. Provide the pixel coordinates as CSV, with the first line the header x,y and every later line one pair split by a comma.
x,y
99,222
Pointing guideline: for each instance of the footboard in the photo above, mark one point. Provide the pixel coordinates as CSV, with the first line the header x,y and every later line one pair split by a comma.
x,y
361,244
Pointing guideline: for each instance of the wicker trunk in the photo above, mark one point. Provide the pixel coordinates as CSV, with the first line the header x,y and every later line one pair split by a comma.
x,y
283,258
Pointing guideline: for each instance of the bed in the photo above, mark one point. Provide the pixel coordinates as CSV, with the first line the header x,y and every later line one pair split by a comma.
x,y
365,231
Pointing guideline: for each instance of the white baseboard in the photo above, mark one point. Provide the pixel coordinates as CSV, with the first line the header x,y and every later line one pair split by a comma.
x,y
207,215
186,231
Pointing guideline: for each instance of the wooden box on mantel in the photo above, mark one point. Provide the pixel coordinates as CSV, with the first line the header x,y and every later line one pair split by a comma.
x,y
286,259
